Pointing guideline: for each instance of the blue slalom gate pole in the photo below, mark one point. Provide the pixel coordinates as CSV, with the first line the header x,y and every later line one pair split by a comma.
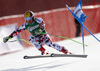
x,y
91,33
83,40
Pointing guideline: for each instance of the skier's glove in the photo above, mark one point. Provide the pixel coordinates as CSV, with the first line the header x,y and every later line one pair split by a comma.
x,y
5,39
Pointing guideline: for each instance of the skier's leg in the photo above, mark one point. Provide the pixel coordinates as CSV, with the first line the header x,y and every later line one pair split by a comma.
x,y
37,44
55,46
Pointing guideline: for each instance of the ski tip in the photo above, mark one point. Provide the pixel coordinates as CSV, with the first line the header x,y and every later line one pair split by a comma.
x,y
52,55
25,57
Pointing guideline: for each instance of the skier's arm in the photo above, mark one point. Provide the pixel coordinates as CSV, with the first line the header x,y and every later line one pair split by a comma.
x,y
41,23
14,33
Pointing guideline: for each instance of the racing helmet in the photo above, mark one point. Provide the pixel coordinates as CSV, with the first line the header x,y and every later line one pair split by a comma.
x,y
28,15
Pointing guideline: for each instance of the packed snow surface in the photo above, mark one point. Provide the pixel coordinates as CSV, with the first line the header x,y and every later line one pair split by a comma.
x,y
15,61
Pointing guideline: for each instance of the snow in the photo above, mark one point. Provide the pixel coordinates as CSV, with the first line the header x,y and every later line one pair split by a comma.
x,y
15,61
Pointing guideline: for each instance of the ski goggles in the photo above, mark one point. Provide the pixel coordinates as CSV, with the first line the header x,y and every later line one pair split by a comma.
x,y
28,18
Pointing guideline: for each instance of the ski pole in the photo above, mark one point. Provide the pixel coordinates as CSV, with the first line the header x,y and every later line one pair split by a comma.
x,y
66,38
22,40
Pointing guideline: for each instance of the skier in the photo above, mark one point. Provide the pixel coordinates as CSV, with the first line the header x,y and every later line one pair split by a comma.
x,y
36,27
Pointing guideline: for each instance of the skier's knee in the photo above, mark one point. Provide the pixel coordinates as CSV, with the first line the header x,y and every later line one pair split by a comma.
x,y
30,38
49,44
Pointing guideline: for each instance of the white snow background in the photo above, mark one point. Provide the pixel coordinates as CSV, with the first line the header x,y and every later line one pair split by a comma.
x,y
15,61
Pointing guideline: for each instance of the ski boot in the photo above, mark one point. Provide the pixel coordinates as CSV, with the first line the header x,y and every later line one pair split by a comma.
x,y
64,50
42,50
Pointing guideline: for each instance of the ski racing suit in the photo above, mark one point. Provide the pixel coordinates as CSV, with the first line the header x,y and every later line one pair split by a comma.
x,y
38,39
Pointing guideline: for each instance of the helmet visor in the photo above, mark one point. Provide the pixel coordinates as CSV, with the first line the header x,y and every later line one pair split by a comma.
x,y
28,18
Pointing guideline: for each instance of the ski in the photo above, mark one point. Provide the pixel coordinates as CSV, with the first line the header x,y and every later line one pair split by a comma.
x,y
56,55
70,55
38,56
